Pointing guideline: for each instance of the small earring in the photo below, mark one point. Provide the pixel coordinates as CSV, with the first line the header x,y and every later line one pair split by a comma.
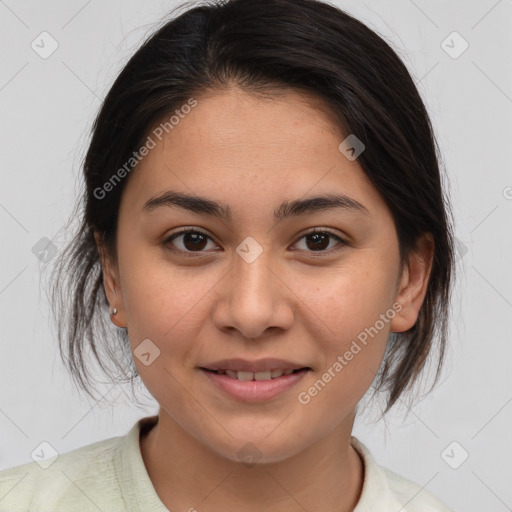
x,y
114,311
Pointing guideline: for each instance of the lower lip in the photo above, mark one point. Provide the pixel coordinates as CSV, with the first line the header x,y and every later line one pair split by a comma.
x,y
255,391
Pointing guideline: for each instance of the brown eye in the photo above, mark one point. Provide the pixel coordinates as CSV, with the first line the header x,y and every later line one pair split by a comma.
x,y
319,240
188,241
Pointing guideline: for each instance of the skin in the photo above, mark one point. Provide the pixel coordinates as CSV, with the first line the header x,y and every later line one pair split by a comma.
x,y
298,304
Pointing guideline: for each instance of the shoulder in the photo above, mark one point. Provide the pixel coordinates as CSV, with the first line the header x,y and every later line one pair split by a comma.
x,y
385,490
70,481
412,496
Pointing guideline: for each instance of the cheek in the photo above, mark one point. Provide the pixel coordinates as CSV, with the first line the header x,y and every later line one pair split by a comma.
x,y
166,306
350,352
163,303
354,299
354,312
169,309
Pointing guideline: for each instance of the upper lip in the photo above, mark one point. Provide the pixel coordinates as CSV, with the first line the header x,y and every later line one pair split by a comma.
x,y
260,365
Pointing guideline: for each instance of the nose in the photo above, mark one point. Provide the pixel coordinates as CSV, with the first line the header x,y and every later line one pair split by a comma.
x,y
254,298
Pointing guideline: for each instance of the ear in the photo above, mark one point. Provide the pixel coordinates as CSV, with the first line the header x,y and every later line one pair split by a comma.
x,y
111,283
413,284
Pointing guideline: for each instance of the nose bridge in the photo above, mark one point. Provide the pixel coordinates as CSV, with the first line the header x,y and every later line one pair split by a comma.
x,y
252,275
254,299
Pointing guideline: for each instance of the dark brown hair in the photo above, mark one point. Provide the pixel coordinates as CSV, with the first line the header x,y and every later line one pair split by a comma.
x,y
263,46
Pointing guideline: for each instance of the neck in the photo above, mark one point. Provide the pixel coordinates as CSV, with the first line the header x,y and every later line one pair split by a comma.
x,y
186,475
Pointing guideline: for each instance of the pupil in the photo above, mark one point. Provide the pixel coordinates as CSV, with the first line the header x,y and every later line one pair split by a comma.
x,y
316,237
196,239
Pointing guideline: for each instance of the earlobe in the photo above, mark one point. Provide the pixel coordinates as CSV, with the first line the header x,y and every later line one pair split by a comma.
x,y
110,284
414,284
113,314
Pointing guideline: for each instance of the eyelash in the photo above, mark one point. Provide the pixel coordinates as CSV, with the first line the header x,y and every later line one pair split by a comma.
x,y
167,242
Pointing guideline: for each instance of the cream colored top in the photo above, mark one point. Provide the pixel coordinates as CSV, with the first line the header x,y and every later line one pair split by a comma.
x,y
110,476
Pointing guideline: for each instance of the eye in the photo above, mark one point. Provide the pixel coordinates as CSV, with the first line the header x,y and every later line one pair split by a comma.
x,y
317,240
190,240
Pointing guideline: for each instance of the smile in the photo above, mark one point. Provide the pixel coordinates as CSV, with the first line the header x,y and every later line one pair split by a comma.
x,y
254,387
246,376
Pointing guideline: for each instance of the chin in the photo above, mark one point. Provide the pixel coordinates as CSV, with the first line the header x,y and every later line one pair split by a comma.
x,y
265,449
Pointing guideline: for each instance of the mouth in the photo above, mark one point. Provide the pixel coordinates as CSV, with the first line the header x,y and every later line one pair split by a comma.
x,y
253,387
255,380
257,376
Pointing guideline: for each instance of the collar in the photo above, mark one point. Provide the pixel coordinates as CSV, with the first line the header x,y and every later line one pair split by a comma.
x,y
376,494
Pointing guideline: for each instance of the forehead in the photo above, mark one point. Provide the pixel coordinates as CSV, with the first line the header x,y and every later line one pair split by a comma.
x,y
246,149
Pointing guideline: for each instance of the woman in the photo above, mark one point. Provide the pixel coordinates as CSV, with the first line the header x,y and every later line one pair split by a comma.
x,y
264,220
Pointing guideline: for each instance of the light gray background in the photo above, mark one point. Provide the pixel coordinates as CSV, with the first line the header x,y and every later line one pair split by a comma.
x,y
47,106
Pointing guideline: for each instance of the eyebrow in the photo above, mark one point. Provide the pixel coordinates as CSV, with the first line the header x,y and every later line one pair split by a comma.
x,y
204,206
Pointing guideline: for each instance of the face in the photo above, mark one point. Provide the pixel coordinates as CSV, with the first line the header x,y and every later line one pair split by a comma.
x,y
260,283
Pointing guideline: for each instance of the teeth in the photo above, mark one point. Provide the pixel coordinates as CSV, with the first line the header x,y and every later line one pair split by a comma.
x,y
246,376
231,373
262,375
